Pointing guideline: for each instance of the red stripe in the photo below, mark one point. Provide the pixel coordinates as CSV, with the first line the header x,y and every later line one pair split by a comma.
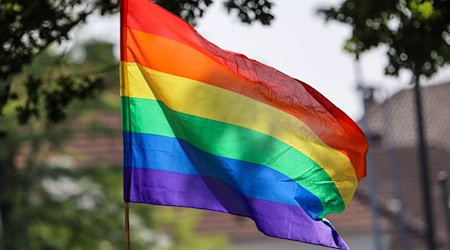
x,y
123,25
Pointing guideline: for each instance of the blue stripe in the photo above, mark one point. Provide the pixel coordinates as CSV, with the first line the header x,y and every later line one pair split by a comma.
x,y
255,181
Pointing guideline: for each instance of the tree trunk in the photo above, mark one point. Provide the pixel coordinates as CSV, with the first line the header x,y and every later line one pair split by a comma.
x,y
6,205
424,166
12,237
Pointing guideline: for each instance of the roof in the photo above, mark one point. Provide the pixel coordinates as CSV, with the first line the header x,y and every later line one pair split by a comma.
x,y
395,155
400,112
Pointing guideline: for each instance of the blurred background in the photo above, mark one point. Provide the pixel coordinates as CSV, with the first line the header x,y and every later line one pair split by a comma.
x,y
60,127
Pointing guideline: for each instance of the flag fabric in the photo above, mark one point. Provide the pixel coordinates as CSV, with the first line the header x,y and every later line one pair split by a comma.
x,y
212,129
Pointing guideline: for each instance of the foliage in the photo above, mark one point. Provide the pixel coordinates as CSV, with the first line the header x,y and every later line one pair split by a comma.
x,y
28,28
24,149
248,11
51,84
415,32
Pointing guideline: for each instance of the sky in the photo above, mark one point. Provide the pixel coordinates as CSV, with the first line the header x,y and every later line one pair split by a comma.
x,y
298,43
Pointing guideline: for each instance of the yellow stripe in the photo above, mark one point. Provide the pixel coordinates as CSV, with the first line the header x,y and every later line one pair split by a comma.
x,y
204,100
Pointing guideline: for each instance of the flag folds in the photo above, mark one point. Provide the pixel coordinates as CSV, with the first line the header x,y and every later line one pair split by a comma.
x,y
212,129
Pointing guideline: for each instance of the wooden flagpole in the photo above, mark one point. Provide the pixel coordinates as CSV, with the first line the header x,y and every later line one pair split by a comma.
x,y
127,227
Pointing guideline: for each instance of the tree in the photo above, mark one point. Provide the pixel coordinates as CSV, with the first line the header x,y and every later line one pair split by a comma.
x,y
416,34
28,28
19,182
42,94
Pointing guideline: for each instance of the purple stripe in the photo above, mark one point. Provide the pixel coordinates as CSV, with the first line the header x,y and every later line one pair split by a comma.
x,y
274,219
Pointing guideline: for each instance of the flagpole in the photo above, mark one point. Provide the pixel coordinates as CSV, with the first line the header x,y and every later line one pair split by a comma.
x,y
127,227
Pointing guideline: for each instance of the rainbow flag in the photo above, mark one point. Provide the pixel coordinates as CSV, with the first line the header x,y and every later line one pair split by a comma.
x,y
212,129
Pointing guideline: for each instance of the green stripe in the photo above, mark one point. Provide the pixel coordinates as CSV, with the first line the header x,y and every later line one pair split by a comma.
x,y
231,141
